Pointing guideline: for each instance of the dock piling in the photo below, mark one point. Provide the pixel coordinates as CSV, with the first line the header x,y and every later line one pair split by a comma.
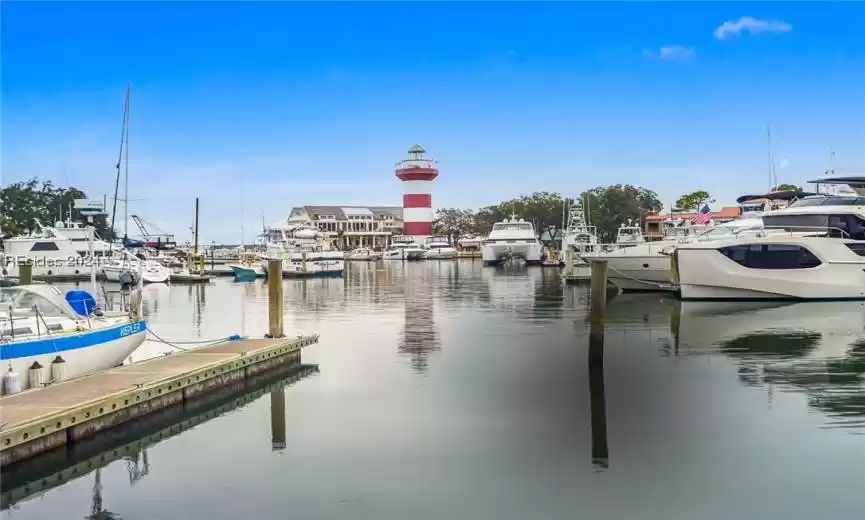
x,y
275,304
25,273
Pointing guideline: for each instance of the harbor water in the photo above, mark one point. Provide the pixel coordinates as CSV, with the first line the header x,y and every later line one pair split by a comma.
x,y
451,390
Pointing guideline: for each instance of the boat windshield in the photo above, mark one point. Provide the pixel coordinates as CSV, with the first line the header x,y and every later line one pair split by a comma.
x,y
520,226
22,301
828,201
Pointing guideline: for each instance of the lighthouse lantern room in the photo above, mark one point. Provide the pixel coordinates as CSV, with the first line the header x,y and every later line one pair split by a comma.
x,y
417,174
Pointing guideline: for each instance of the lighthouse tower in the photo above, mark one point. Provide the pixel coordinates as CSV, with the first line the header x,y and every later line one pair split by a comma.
x,y
417,174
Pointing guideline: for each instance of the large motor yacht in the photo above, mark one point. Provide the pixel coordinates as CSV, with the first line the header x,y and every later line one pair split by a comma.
x,y
512,239
438,248
62,250
404,248
302,248
813,249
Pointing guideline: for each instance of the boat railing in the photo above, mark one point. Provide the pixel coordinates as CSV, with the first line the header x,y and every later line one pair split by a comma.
x,y
811,231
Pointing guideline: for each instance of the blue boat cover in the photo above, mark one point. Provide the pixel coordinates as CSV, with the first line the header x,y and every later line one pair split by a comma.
x,y
82,302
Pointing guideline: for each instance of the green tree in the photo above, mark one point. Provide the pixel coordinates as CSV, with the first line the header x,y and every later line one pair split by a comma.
x,y
608,207
454,223
693,201
543,209
786,187
27,204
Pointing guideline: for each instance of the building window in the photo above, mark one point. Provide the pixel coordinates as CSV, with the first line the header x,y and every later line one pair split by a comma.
x,y
771,256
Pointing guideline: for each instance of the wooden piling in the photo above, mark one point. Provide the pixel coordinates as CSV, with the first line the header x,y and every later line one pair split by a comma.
x,y
274,298
599,294
25,273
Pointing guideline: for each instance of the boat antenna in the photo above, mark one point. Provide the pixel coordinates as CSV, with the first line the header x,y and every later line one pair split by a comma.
x,y
773,177
119,159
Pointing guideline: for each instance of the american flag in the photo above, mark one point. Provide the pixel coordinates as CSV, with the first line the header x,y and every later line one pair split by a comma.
x,y
703,217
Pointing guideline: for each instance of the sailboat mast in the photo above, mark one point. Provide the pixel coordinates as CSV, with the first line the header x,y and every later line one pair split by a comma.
x,y
126,166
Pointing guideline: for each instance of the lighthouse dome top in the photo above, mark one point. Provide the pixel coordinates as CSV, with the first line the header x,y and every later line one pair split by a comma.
x,y
416,149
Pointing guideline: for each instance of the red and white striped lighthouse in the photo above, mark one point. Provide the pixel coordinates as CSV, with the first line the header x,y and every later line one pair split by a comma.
x,y
417,174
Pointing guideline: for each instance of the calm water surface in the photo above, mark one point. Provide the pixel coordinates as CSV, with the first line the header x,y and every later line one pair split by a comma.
x,y
456,391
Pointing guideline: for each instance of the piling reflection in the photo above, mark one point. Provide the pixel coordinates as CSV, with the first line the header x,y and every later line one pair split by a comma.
x,y
597,397
277,419
130,441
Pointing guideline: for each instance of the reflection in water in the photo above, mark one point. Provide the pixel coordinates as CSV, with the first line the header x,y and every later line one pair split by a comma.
x,y
420,336
500,426
814,348
277,419
129,442
597,397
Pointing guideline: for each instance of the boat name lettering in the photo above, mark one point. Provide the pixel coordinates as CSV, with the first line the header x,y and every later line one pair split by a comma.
x,y
132,328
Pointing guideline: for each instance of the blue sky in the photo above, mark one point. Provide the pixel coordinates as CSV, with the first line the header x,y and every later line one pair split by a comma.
x,y
263,106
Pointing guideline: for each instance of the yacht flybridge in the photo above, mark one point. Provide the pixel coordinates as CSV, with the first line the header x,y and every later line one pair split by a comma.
x,y
813,249
511,239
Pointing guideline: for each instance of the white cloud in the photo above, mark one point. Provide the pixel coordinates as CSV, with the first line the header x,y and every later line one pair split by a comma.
x,y
751,25
671,53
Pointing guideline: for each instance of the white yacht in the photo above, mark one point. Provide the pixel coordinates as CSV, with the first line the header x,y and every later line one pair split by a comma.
x,y
62,250
303,249
40,327
646,266
628,235
403,248
811,250
578,239
512,239
364,254
438,248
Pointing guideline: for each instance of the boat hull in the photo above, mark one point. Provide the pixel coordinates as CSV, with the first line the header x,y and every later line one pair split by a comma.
x,y
494,254
637,273
404,254
704,273
444,253
83,353
243,272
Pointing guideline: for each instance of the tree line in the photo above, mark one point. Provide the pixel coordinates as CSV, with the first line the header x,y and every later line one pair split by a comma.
x,y
26,204
607,208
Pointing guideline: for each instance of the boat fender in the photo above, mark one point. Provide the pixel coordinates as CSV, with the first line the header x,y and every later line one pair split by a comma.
x,y
11,382
234,337
34,375
82,302
58,369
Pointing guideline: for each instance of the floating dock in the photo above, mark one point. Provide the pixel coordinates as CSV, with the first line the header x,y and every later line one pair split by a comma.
x,y
36,421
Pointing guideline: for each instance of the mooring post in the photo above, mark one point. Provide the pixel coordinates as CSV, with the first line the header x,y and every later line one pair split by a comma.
x,y
25,273
600,450
274,298
599,293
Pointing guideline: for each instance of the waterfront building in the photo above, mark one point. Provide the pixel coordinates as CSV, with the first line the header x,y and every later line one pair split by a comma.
x,y
654,223
350,226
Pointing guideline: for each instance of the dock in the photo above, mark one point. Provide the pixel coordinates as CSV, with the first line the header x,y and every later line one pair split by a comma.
x,y
63,413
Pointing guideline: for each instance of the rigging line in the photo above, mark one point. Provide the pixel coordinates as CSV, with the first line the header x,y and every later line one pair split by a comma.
x,y
119,159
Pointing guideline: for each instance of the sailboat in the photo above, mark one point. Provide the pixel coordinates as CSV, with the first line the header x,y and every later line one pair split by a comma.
x,y
125,267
